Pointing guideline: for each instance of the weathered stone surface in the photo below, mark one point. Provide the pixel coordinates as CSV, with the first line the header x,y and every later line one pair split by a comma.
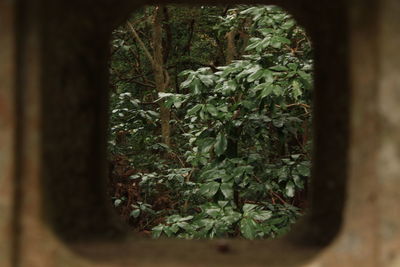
x,y
388,164
7,131
53,117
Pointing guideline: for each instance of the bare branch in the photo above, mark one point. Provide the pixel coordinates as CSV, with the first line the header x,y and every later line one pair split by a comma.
x,y
146,51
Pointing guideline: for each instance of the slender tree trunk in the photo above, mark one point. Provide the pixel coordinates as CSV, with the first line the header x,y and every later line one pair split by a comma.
x,y
234,134
231,46
231,53
161,75
236,47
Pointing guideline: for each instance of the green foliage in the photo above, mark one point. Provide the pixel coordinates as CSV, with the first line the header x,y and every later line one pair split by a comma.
x,y
240,159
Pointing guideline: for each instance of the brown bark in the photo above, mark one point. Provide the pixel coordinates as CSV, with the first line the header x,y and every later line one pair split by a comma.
x,y
236,47
160,74
244,36
167,28
231,47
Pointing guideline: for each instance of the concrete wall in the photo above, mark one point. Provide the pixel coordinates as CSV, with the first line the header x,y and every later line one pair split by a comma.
x,y
53,118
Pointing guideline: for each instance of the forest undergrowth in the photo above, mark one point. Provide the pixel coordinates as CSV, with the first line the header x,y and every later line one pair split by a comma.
x,y
210,121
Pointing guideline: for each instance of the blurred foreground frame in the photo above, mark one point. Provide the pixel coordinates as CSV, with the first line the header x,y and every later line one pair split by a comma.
x,y
53,120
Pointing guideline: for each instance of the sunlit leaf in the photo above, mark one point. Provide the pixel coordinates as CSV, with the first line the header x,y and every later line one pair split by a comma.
x,y
221,144
227,190
209,189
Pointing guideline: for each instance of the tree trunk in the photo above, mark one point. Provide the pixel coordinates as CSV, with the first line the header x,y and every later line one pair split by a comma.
x,y
231,46
234,134
160,75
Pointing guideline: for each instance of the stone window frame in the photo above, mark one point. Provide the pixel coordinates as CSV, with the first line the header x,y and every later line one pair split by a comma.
x,y
73,125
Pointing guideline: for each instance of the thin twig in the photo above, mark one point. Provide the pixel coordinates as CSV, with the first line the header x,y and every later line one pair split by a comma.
x,y
146,51
277,196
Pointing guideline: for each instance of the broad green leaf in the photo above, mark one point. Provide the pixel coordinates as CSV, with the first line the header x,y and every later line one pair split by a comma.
x,y
293,66
202,114
296,89
279,68
206,144
266,31
241,170
266,91
248,71
248,207
260,87
214,212
187,82
254,42
232,217
227,190
277,41
228,87
303,170
196,87
304,75
277,123
207,80
226,178
195,109
117,202
153,113
223,203
289,189
263,215
297,180
183,225
135,213
221,144
255,76
212,174
156,231
173,228
185,72
178,103
184,219
249,10
288,24
163,95
295,156
209,189
206,223
268,76
248,228
212,110
278,91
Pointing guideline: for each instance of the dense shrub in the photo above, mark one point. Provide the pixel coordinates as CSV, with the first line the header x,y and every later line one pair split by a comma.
x,y
239,162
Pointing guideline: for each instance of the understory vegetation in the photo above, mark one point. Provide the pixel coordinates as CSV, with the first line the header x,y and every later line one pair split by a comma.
x,y
210,121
